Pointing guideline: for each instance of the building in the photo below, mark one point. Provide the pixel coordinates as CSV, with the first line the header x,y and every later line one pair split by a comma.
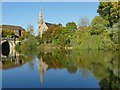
x,y
42,26
16,29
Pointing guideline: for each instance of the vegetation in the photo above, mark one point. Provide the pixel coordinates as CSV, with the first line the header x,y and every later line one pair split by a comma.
x,y
97,35
7,33
58,35
84,21
28,41
29,44
103,64
101,34
10,31
71,26
109,11
98,25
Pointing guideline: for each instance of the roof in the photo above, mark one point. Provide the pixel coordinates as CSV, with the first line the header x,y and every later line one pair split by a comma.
x,y
48,24
12,27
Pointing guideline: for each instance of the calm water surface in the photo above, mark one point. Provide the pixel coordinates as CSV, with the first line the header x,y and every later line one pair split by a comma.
x,y
61,69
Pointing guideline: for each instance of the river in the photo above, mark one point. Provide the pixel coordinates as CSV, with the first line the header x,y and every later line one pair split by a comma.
x,y
61,69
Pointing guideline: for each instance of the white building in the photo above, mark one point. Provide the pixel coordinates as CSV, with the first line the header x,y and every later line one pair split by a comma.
x,y
42,26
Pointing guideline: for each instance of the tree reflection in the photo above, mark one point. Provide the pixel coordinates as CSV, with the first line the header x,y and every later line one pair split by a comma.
x,y
85,72
104,65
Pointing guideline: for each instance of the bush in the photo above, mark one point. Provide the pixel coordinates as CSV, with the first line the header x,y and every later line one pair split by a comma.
x,y
98,25
28,45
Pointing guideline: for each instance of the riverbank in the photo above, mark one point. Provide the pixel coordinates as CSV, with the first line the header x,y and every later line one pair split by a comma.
x,y
50,47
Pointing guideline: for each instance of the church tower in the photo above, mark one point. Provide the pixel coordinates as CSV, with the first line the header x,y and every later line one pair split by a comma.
x,y
41,25
40,20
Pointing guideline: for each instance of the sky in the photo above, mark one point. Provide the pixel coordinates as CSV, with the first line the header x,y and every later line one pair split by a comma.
x,y
51,0
25,13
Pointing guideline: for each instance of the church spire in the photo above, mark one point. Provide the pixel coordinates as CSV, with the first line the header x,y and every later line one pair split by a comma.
x,y
40,12
40,21
41,24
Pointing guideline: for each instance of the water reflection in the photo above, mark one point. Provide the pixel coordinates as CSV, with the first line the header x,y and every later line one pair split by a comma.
x,y
103,65
42,67
12,59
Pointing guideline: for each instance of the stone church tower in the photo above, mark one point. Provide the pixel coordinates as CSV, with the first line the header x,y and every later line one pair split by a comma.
x,y
42,27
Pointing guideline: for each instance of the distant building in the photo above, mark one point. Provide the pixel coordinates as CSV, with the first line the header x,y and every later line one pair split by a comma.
x,y
16,29
42,26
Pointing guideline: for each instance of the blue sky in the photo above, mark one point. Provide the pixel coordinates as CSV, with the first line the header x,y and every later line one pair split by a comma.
x,y
25,13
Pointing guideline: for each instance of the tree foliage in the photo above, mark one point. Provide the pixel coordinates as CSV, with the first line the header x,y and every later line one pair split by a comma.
x,y
101,34
84,21
29,44
58,35
30,29
98,25
114,34
109,11
71,26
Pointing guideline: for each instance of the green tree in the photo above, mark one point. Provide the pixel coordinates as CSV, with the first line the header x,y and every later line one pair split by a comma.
x,y
71,26
114,34
28,33
60,24
98,25
29,44
109,11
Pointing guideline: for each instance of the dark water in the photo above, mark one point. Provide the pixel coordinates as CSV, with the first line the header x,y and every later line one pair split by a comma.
x,y
61,69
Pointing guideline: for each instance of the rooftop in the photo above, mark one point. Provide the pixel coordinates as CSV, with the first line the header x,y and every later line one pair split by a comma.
x,y
11,27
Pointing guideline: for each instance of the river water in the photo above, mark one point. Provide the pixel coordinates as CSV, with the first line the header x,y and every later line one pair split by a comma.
x,y
61,69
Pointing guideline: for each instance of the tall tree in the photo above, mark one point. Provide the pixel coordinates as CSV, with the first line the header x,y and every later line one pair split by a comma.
x,y
98,25
109,11
84,21
30,28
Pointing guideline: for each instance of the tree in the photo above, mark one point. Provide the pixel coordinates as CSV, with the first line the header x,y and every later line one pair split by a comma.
x,y
0,32
29,44
84,21
31,29
114,33
109,11
98,25
60,24
71,26
25,35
